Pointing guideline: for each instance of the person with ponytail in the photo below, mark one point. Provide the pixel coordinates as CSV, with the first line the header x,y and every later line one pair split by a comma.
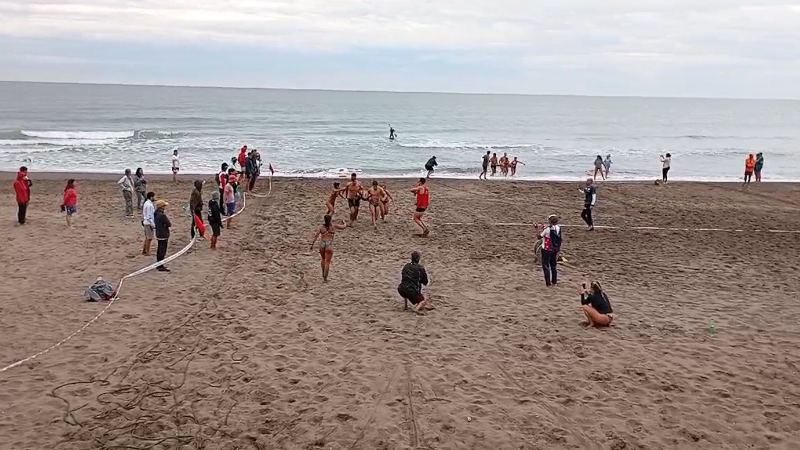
x,y
596,306
325,234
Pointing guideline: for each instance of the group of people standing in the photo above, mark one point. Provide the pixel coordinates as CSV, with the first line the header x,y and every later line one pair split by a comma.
x,y
506,165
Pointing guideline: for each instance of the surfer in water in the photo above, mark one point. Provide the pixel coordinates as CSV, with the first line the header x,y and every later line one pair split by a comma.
x,y
392,134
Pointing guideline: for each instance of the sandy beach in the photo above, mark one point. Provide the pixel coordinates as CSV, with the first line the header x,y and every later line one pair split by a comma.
x,y
245,347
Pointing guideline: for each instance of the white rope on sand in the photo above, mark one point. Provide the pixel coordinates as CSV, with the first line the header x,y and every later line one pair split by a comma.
x,y
609,227
113,299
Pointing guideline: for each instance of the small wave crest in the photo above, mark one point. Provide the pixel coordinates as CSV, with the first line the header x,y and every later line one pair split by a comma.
x,y
90,135
464,146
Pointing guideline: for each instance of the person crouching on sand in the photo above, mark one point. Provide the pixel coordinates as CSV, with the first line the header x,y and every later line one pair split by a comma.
x,y
596,306
325,234
413,278
148,222
70,201
162,232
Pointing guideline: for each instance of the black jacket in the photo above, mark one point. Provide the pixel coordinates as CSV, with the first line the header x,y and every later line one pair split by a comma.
x,y
162,224
414,276
214,215
599,302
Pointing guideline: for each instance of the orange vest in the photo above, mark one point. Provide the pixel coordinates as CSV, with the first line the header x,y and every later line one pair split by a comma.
x,y
749,164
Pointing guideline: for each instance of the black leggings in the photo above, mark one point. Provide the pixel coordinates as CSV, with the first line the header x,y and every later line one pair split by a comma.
x,y
586,215
664,172
748,176
550,267
162,249
21,211
252,182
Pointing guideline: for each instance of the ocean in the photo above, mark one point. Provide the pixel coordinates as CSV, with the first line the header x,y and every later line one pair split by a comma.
x,y
107,128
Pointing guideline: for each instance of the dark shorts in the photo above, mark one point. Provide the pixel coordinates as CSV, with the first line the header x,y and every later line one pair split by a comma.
x,y
421,210
354,202
216,228
428,168
70,210
412,297
231,208
747,174
175,169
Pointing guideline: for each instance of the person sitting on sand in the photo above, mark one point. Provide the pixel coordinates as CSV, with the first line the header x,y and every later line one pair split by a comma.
x,y
374,196
325,234
413,278
513,165
215,218
387,197
353,190
70,201
596,306
162,232
332,197
423,199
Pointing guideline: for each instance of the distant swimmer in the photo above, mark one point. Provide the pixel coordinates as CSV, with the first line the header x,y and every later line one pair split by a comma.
x,y
392,133
665,163
430,165
333,196
374,195
423,199
353,190
598,168
589,200
759,166
513,165
749,167
325,234
485,166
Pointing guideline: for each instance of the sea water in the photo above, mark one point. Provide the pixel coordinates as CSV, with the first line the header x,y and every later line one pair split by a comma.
x,y
107,128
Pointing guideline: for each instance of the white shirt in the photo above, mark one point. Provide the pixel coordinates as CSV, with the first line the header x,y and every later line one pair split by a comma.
x,y
175,162
665,162
148,213
126,183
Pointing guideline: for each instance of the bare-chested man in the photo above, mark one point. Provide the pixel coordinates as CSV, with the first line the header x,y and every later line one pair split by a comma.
x,y
385,202
335,193
374,196
353,190
504,164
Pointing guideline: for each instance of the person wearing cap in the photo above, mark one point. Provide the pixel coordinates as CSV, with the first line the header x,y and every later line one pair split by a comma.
x,y
162,225
414,277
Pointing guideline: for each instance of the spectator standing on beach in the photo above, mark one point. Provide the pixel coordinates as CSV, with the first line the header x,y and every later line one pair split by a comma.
x,y
413,277
22,189
148,221
140,186
176,166
214,218
252,170
126,183
162,225
70,201
196,205
598,168
222,180
229,202
485,166
749,167
759,166
430,165
607,164
589,200
665,164
551,246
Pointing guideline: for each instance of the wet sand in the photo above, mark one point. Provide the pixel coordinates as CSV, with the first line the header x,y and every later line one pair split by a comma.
x,y
245,347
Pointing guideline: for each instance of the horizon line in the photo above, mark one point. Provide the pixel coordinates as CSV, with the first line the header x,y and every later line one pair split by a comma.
x,y
191,86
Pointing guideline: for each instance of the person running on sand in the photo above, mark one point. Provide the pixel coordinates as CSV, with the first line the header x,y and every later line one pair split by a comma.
x,y
374,196
70,201
162,225
413,277
759,166
196,205
176,166
551,246
387,197
337,192
589,200
504,164
148,222
598,168
665,163
229,202
353,190
22,190
749,167
485,166
596,306
140,187
214,218
126,183
493,163
607,164
325,234
513,165
430,165
423,198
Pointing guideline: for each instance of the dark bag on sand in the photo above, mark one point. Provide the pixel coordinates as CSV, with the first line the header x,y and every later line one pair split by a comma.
x,y
99,290
555,240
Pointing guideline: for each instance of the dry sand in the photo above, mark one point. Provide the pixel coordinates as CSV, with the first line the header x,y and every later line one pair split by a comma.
x,y
245,347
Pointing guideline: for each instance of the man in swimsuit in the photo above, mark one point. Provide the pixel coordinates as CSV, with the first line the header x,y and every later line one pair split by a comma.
x,y
176,166
353,190
504,164
325,234
335,193
423,199
493,162
385,202
513,165
485,166
374,195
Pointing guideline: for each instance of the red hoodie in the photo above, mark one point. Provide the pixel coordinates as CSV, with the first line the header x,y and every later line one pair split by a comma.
x,y
70,197
21,188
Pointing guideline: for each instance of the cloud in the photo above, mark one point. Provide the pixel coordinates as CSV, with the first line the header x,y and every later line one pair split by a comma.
x,y
646,38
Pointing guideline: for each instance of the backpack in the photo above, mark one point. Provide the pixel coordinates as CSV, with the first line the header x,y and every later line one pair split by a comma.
x,y
555,240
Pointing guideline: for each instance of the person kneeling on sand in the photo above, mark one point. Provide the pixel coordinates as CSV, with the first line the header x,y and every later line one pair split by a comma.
x,y
596,306
414,277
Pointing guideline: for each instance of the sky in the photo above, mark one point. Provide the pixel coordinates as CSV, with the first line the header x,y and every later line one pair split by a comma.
x,y
672,48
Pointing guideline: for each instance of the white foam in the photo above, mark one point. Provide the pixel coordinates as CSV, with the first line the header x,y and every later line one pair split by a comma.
x,y
92,135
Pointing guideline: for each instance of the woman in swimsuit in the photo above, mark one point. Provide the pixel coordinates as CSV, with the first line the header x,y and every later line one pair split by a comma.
x,y
374,196
325,234
331,203
385,202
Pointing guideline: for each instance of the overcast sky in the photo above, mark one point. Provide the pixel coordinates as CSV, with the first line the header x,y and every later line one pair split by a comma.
x,y
708,48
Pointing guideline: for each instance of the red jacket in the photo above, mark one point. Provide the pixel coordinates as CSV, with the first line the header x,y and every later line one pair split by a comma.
x,y
70,197
21,188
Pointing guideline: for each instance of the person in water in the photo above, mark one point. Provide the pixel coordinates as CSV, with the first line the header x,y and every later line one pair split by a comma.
x,y
759,166
551,246
423,199
598,168
485,166
374,196
176,166
387,197
596,306
162,232
337,192
413,277
589,200
749,167
493,163
504,164
353,190
513,165
665,163
70,201
607,164
325,234
214,218
430,165
392,133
